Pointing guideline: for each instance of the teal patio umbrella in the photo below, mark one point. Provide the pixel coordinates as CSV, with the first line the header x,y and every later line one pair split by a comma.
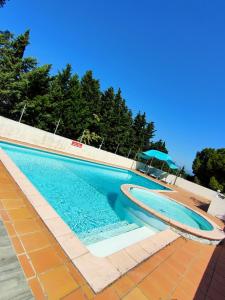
x,y
151,154
166,158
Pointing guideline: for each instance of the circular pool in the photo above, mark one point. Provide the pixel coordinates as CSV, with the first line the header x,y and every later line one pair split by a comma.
x,y
177,215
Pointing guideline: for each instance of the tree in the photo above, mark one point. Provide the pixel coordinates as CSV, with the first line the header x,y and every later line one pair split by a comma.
x,y
91,95
89,137
209,168
107,121
116,122
20,43
68,106
214,184
20,78
75,110
159,145
77,105
2,3
122,124
143,132
149,133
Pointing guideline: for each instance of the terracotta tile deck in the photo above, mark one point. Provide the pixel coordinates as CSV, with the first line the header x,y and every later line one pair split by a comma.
x,y
183,270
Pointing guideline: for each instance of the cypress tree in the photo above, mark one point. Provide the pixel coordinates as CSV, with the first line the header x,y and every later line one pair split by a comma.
x,y
79,104
159,145
2,3
13,70
91,95
107,119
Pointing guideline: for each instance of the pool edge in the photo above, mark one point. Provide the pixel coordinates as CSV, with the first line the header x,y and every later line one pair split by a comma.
x,y
99,272
83,158
212,235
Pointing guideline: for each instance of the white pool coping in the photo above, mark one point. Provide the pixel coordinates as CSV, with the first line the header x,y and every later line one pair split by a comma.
x,y
216,234
99,272
111,245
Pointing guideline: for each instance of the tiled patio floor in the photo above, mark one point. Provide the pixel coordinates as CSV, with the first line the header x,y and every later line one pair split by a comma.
x,y
13,284
183,270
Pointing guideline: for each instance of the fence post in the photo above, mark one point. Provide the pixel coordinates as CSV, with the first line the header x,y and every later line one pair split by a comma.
x,y
117,148
129,152
136,155
177,174
101,144
81,137
23,110
57,125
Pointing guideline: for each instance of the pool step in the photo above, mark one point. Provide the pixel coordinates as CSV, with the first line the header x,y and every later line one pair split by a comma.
x,y
106,232
104,228
116,243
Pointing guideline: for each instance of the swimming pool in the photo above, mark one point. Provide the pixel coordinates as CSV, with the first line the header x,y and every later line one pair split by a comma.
x,y
182,218
171,209
86,195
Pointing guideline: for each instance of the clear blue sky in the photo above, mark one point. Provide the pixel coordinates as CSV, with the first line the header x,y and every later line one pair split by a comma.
x,y
168,57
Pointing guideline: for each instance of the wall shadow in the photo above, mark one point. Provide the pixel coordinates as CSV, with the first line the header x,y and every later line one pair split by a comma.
x,y
112,197
212,285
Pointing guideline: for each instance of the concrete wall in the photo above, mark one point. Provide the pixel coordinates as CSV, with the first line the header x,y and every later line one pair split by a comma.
x,y
217,208
23,133
196,188
183,183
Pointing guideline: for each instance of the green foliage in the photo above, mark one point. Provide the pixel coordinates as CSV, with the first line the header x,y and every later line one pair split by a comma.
x,y
20,78
214,184
2,3
143,131
89,137
159,145
209,168
78,104
116,122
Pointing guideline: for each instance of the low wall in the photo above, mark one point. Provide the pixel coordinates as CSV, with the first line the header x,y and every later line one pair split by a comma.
x,y
23,133
217,208
192,187
183,183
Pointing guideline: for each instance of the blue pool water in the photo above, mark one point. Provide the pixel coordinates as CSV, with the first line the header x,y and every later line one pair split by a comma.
x,y
86,195
171,209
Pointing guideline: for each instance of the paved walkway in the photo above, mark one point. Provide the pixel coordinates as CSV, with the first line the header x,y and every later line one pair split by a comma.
x,y
13,284
184,270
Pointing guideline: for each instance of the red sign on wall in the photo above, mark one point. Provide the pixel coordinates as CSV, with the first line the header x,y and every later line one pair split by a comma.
x,y
77,144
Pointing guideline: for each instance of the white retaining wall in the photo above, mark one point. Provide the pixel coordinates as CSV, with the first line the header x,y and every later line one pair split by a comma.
x,y
192,187
23,133
217,208
185,184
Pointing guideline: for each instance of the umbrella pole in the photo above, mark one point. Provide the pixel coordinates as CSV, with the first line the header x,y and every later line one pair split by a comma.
x,y
146,163
150,166
151,162
176,177
168,173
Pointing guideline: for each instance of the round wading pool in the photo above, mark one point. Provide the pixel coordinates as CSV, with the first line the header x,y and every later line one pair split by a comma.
x,y
182,218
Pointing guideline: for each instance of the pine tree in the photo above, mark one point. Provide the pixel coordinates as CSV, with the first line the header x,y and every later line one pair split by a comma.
x,y
91,95
159,145
34,96
123,125
78,104
75,110
107,119
13,69
20,43
139,124
2,3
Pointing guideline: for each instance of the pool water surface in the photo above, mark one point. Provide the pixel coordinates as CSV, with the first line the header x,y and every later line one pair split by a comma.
x,y
171,209
86,195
